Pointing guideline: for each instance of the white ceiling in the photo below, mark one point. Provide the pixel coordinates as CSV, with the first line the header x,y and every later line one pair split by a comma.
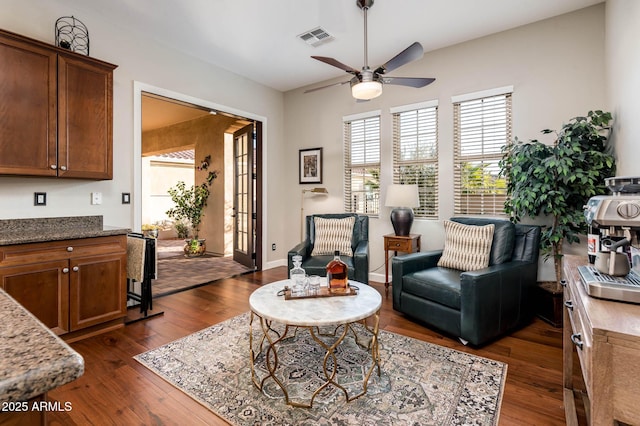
x,y
258,39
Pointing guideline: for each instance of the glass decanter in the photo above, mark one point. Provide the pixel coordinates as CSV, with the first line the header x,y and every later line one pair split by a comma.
x,y
298,277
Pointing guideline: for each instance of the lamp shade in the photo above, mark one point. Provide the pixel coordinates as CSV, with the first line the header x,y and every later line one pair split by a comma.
x,y
366,90
318,190
399,195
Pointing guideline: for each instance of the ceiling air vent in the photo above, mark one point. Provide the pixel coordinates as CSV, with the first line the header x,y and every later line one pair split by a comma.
x,y
316,37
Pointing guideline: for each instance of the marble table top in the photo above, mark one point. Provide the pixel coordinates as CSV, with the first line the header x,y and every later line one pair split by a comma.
x,y
33,360
315,311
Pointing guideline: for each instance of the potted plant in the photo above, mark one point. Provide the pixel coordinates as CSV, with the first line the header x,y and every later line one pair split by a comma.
x,y
189,206
556,181
150,230
182,229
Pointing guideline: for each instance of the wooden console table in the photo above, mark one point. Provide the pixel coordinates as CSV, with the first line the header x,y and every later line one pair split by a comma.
x,y
606,336
396,243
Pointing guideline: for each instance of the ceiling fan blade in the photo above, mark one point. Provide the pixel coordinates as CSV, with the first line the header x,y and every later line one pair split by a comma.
x,y
409,54
324,87
337,64
408,81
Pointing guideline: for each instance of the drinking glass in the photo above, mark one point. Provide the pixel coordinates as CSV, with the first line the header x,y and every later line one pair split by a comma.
x,y
314,285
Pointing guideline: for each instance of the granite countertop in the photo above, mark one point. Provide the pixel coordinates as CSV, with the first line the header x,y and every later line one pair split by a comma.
x,y
37,230
33,360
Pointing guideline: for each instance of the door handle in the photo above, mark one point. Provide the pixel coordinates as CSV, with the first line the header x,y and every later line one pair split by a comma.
x,y
577,340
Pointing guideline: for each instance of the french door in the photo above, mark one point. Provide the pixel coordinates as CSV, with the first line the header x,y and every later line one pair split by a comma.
x,y
244,203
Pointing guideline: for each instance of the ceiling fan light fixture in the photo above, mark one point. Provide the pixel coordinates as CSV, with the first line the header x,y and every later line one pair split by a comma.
x,y
366,90
366,84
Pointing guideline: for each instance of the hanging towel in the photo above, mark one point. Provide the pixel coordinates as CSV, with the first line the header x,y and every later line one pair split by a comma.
x,y
135,258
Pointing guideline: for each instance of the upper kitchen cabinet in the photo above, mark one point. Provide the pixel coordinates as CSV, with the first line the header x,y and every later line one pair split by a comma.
x,y
56,111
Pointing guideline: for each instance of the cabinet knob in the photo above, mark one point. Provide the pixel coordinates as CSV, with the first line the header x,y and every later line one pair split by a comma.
x,y
563,283
69,248
577,340
65,270
569,305
53,166
63,167
76,269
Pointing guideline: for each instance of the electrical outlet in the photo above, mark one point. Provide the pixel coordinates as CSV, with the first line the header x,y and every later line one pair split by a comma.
x,y
273,247
96,198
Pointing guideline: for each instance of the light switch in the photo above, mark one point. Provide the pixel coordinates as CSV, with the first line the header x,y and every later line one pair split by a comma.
x,y
96,198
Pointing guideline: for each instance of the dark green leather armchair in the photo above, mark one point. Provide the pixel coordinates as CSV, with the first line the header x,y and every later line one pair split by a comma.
x,y
358,265
475,306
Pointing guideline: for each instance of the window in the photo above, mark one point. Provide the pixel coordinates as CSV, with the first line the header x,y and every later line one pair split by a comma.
x,y
362,163
415,153
482,126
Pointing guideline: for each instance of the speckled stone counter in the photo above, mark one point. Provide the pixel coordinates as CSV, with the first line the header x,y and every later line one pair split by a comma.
x,y
33,360
36,230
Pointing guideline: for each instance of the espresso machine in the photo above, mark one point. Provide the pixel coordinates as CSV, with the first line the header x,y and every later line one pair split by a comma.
x,y
615,219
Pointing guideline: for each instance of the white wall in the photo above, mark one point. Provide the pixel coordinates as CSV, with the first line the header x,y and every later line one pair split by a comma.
x,y
623,81
158,176
556,69
145,61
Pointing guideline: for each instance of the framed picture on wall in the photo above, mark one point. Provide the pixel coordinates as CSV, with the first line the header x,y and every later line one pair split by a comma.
x,y
310,165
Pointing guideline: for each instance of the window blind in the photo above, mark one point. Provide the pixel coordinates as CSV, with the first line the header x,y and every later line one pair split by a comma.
x,y
362,165
415,155
481,128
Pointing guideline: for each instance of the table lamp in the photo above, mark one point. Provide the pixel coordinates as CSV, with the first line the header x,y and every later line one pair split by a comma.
x,y
402,198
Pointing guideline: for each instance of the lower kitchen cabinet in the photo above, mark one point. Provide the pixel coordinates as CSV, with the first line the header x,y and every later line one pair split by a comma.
x,y
97,291
71,286
43,289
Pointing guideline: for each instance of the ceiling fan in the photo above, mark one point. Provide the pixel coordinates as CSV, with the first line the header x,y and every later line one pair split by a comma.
x,y
366,83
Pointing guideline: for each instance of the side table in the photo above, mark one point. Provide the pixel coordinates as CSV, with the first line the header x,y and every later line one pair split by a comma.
x,y
397,243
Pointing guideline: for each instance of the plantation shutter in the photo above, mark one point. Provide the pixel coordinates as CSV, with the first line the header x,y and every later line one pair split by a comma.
x,y
415,153
482,126
362,164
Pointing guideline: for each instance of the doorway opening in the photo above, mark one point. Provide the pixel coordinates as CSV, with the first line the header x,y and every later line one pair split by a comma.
x,y
174,132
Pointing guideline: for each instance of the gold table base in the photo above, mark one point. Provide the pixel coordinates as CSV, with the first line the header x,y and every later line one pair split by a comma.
x,y
271,355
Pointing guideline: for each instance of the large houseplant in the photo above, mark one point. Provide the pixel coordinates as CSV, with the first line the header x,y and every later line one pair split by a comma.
x,y
556,181
189,206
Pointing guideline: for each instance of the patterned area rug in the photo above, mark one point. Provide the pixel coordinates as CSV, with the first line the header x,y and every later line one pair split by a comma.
x,y
420,383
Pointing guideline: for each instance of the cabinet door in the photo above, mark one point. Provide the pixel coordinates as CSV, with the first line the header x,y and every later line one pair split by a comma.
x,y
27,109
85,117
97,290
43,289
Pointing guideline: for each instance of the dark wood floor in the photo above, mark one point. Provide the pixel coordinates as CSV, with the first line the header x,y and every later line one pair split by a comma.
x,y
115,389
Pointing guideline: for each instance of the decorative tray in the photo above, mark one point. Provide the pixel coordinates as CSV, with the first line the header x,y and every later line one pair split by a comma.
x,y
324,292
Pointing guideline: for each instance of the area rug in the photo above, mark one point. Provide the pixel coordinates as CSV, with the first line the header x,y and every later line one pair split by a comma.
x,y
179,273
420,383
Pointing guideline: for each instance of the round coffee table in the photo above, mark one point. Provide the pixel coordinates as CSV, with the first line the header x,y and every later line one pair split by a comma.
x,y
310,314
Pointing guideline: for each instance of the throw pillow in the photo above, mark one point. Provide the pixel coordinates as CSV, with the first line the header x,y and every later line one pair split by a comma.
x,y
332,235
466,247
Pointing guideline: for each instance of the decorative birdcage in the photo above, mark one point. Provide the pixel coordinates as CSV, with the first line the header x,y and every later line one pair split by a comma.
x,y
72,34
